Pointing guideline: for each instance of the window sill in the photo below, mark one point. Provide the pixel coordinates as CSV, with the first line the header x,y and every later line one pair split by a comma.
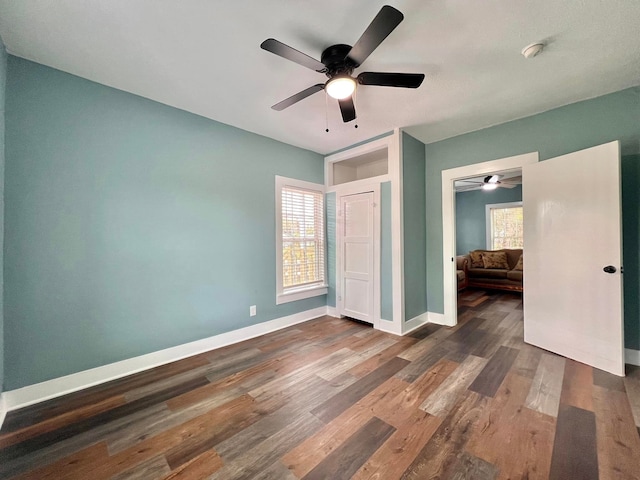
x,y
301,294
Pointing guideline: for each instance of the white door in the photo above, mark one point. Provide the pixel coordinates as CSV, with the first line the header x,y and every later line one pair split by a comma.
x,y
356,236
572,239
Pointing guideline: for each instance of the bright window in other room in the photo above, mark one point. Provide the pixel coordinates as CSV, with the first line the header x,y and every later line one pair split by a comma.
x,y
504,225
300,242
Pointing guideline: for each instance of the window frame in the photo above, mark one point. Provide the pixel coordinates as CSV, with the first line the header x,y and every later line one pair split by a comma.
x,y
286,295
488,208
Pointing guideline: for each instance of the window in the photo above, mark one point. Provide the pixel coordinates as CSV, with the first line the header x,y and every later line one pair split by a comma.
x,y
504,225
300,245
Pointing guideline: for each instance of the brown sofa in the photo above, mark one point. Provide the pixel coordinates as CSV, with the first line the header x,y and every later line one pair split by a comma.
x,y
462,265
496,278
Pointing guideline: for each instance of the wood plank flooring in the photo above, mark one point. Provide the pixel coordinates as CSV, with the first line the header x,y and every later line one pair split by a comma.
x,y
334,399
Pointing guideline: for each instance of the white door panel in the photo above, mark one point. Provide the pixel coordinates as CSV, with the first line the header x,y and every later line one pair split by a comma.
x,y
356,216
572,230
357,265
357,258
356,298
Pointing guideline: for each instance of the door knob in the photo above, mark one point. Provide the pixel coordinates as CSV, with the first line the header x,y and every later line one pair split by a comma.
x,y
609,269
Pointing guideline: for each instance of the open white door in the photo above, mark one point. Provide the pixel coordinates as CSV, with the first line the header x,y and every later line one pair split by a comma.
x,y
357,247
573,257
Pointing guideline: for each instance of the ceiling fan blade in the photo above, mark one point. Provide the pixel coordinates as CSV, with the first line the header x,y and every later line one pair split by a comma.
x,y
467,188
406,80
285,51
383,24
513,180
298,96
348,109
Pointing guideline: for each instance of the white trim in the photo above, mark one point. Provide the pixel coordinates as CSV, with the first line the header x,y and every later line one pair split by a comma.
x,y
3,409
390,326
359,184
369,147
332,312
632,357
450,284
487,218
39,392
397,228
415,323
293,294
438,319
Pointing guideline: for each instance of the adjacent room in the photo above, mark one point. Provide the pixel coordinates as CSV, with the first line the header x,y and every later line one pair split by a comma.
x,y
285,240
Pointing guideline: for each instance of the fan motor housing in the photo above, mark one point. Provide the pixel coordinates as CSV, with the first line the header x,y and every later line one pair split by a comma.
x,y
336,60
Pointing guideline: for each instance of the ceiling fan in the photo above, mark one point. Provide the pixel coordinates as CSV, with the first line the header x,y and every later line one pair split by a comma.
x,y
339,61
490,182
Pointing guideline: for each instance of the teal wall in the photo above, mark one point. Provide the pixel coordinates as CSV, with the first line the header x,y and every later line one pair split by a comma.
x,y
386,253
3,81
563,130
364,142
415,227
131,226
471,224
330,209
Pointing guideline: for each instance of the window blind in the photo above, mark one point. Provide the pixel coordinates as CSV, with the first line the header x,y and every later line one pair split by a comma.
x,y
507,228
302,237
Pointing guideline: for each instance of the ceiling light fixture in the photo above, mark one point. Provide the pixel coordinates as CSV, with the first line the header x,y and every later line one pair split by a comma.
x,y
340,87
532,50
491,182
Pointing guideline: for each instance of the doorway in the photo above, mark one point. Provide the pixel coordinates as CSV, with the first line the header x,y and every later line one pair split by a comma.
x,y
449,177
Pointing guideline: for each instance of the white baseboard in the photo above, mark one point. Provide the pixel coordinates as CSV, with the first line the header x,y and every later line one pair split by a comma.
x,y
39,392
632,357
332,311
438,319
416,322
389,326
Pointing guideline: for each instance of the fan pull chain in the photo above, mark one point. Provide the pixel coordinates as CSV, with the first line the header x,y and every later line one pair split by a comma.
x,y
355,96
326,111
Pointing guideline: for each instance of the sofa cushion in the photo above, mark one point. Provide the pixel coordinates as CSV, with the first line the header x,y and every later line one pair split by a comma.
x,y
519,265
487,273
461,275
476,259
495,260
515,275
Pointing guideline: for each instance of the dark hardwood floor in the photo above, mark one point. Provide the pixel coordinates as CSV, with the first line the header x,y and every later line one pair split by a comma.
x,y
334,399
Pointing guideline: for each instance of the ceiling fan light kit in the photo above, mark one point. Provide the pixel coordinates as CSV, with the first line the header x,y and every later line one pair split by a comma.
x,y
339,61
340,87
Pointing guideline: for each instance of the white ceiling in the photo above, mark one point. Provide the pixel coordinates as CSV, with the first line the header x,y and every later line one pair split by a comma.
x,y
203,56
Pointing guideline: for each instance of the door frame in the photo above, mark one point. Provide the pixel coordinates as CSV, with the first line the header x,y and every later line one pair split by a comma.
x,y
450,287
348,191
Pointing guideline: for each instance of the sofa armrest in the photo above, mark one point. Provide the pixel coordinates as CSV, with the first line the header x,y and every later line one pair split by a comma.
x,y
462,262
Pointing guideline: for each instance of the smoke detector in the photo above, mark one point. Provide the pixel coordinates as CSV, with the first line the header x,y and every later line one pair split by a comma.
x,y
532,50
